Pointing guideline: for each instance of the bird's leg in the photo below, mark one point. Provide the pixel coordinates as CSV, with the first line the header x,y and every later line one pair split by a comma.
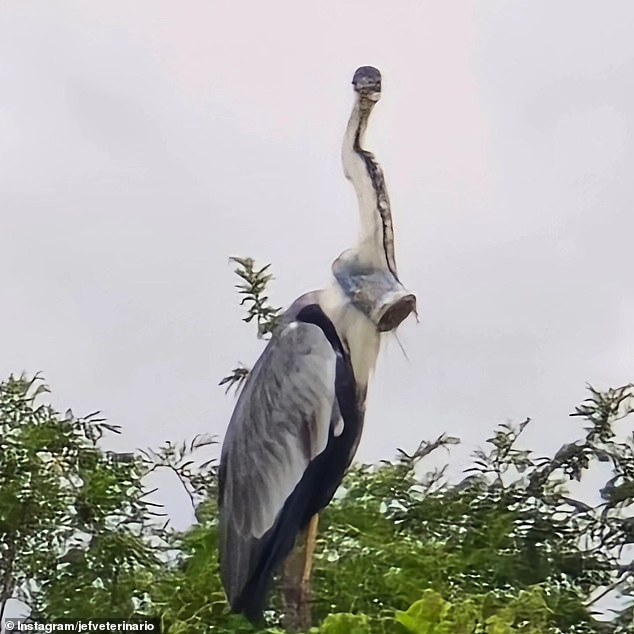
x,y
311,538
305,591
296,574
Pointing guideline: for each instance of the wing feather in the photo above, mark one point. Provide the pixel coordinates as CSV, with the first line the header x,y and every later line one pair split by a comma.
x,y
280,424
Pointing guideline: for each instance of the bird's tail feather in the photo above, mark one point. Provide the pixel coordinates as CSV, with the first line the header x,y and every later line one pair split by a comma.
x,y
273,550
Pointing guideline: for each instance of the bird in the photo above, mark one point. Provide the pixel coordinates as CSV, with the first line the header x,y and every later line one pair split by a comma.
x,y
298,420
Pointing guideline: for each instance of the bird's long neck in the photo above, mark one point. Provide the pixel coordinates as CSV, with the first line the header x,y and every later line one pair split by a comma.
x,y
376,239
357,333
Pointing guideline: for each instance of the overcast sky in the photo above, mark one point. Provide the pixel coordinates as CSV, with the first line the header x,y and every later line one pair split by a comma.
x,y
142,144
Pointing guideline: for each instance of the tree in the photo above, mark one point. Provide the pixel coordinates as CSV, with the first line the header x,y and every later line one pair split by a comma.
x,y
74,522
507,549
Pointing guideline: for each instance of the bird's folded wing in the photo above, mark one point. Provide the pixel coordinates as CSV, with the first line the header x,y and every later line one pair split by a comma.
x,y
281,422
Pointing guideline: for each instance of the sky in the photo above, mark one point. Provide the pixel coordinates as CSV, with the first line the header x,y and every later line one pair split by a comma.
x,y
143,144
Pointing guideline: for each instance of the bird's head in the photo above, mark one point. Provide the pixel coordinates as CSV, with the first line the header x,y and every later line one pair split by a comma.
x,y
367,83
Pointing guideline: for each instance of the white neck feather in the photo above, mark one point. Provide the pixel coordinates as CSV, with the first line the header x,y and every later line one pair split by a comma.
x,y
357,333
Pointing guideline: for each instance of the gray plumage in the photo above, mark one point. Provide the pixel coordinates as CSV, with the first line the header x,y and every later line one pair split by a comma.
x,y
280,423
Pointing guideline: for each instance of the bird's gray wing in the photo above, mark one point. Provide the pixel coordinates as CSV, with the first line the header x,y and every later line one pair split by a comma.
x,y
281,422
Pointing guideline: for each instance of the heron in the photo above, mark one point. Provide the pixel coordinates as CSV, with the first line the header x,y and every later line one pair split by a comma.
x,y
298,420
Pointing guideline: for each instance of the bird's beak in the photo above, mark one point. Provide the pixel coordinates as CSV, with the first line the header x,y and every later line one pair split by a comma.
x,y
374,291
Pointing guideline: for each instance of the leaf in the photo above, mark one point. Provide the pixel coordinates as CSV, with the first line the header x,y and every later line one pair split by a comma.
x,y
345,624
423,615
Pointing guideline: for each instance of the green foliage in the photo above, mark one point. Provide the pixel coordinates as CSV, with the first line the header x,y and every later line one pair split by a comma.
x,y
527,613
510,525
344,623
74,524
507,549
401,550
253,288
